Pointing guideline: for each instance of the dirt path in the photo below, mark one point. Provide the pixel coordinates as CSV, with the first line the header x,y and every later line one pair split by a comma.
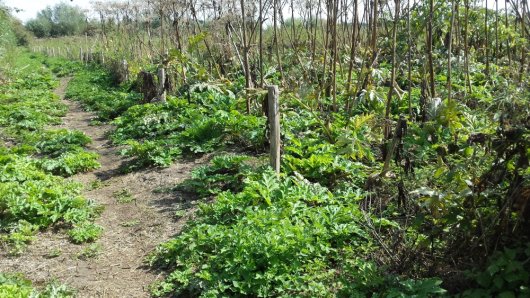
x,y
131,230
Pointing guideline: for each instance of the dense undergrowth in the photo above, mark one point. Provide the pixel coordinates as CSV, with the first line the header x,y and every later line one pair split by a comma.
x,y
277,236
332,224
34,156
157,134
381,193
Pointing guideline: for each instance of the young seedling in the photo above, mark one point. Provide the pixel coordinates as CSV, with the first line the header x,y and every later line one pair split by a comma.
x,y
124,196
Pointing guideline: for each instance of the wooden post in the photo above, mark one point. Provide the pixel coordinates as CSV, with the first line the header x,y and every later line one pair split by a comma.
x,y
162,84
81,54
392,145
125,70
274,122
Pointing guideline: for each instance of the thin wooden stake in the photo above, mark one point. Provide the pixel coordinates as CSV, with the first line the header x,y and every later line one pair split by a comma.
x,y
125,66
162,84
274,122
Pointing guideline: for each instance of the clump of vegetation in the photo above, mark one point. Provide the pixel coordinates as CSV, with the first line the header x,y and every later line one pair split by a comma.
x,y
225,172
123,196
61,67
248,242
15,285
507,274
131,223
32,196
31,199
85,231
94,88
90,251
71,163
158,134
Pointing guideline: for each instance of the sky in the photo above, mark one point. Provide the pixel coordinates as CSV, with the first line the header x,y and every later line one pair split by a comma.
x,y
31,7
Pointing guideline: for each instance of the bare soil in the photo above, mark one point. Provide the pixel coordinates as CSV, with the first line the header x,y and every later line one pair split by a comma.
x,y
131,230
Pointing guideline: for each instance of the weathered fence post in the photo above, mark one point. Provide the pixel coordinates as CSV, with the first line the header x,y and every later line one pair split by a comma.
x,y
274,122
125,66
162,84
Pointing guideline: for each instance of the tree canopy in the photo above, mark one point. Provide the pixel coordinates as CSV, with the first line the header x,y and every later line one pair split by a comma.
x,y
59,20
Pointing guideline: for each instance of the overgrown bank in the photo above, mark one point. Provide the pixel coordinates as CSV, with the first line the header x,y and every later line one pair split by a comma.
x,y
330,218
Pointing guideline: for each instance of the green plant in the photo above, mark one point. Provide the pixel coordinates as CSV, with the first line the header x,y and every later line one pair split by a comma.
x,y
225,172
29,195
56,142
19,237
85,232
123,196
68,164
278,236
15,285
180,213
507,274
54,253
93,87
90,251
97,184
12,285
158,153
131,223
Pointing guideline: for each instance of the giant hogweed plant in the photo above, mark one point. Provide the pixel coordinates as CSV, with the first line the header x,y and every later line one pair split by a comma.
x,y
32,197
279,236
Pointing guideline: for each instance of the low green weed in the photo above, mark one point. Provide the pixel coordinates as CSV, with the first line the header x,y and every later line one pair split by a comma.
x,y
507,274
28,194
225,172
123,196
131,223
277,237
70,163
97,184
32,197
85,232
19,237
15,285
158,134
54,253
56,142
62,67
90,251
93,87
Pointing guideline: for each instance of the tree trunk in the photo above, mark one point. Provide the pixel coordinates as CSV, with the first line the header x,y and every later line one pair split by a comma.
x,y
466,46
449,53
245,54
353,47
429,48
393,71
